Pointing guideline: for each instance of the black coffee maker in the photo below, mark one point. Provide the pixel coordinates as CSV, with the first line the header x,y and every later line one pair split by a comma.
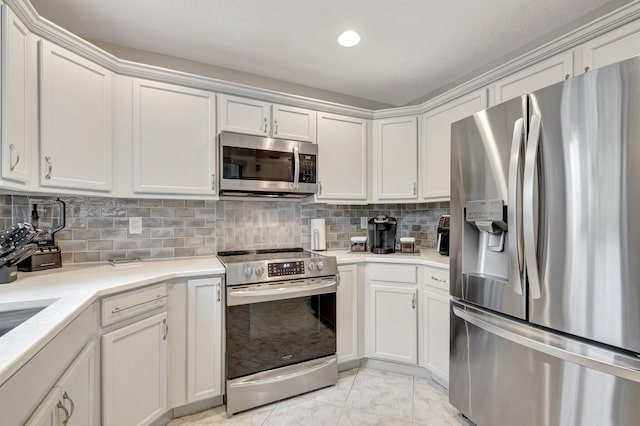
x,y
382,234
443,235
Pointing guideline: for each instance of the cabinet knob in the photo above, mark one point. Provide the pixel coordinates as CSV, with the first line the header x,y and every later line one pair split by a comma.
x,y
265,124
587,69
415,188
12,165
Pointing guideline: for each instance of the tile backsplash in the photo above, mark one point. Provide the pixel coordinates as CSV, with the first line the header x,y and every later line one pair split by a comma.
x,y
98,227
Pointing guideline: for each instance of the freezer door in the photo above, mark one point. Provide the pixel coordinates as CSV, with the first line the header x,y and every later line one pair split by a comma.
x,y
582,249
486,164
506,372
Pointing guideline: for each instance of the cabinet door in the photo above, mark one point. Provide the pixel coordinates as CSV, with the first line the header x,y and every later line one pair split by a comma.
x,y
134,372
75,114
204,338
393,323
50,412
293,123
342,158
244,115
79,389
436,342
538,76
347,314
436,143
614,46
395,156
19,85
174,139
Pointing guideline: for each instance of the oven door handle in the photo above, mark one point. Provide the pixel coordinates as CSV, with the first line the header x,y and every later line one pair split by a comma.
x,y
303,290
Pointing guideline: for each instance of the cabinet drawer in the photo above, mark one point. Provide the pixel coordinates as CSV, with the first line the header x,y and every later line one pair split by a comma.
x,y
438,278
127,305
394,273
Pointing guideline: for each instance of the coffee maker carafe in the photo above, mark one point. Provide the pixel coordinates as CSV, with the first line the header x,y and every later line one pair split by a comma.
x,y
382,234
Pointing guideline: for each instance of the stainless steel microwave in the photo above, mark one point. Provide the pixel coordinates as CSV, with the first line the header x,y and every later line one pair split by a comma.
x,y
260,166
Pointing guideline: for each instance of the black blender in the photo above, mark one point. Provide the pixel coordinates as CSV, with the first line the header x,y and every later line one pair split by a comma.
x,y
48,217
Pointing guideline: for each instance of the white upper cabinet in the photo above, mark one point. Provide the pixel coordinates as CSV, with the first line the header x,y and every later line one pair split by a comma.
x,y
436,143
19,102
342,158
75,115
395,159
259,118
293,123
614,46
174,139
542,74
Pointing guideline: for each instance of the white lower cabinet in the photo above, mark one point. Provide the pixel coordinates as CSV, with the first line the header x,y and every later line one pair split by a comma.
x,y
204,338
134,371
74,400
347,313
436,320
392,313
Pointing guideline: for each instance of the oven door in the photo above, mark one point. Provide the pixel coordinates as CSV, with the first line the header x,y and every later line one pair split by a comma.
x,y
278,324
257,164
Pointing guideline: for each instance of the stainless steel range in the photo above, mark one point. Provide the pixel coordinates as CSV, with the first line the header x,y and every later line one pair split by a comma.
x,y
280,325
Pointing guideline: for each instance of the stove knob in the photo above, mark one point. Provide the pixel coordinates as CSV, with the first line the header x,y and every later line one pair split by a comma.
x,y
248,271
320,265
312,266
259,270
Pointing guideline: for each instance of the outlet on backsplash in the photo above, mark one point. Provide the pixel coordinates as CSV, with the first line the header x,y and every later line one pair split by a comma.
x,y
135,225
363,223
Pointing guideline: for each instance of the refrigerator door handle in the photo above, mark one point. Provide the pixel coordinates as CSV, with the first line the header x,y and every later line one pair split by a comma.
x,y
514,212
556,346
528,215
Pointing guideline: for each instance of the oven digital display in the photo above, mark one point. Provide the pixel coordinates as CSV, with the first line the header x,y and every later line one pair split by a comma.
x,y
285,268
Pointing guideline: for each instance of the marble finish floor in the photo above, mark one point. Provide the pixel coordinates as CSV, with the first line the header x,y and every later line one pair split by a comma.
x,y
362,396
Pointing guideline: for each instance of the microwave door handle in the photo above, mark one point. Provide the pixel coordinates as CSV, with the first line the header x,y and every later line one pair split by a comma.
x,y
528,214
296,168
514,212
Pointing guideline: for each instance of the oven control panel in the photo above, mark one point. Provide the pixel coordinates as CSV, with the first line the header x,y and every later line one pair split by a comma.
x,y
285,268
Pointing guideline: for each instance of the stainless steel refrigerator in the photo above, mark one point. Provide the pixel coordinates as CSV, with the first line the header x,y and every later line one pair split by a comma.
x,y
545,255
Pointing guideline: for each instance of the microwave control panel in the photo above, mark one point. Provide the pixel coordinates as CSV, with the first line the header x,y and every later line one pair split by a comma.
x,y
285,268
307,168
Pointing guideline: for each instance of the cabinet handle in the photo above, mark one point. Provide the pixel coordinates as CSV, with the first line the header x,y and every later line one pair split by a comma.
x,y
116,310
275,127
73,406
219,292
438,279
213,182
567,76
586,69
265,124
66,412
11,149
49,167
415,187
413,301
166,329
319,188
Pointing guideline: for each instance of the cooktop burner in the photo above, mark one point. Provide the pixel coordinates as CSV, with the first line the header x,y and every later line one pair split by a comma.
x,y
253,266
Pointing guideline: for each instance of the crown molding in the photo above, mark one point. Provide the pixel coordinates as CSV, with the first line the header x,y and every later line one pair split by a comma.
x,y
52,32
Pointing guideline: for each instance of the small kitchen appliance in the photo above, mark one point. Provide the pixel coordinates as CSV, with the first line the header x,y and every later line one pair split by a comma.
x,y
280,324
358,244
443,235
48,217
318,235
15,245
382,234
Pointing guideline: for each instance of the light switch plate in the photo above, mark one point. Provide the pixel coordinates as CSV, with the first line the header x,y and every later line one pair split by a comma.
x,y
135,225
363,223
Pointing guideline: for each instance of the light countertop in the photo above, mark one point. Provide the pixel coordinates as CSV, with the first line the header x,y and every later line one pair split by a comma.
x,y
427,257
72,289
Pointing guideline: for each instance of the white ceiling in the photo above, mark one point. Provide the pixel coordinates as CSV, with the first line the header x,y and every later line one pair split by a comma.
x,y
409,48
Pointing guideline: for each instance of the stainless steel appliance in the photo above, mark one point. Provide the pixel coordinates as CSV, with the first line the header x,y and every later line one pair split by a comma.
x,y
544,255
382,234
442,244
259,166
280,325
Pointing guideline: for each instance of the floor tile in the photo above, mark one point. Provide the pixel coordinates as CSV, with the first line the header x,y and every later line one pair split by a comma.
x,y
218,416
301,411
336,395
353,417
383,394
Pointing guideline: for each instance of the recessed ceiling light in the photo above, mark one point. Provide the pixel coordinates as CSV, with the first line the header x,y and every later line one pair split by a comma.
x,y
349,39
